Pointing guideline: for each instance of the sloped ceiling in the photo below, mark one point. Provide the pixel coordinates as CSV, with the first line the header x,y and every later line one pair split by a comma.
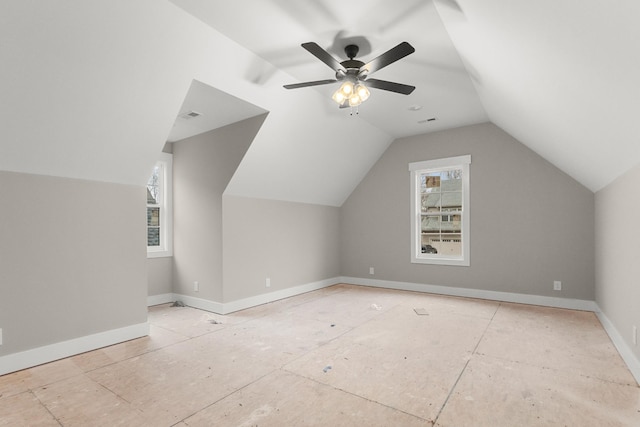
x,y
275,29
91,90
562,76
206,108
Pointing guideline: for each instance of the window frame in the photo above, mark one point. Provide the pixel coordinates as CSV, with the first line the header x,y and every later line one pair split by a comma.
x,y
416,169
166,209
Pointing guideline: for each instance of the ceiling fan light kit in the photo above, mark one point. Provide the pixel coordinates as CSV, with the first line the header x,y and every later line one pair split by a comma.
x,y
353,94
354,74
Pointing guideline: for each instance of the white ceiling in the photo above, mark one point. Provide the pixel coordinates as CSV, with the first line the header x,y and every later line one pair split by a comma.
x,y
214,109
562,76
91,90
275,29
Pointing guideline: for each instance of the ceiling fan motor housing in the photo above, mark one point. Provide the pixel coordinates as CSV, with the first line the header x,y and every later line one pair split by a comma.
x,y
352,65
352,74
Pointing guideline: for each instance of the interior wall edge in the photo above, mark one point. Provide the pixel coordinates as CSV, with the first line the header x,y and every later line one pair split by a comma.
x,y
160,299
199,303
37,356
253,301
633,363
555,302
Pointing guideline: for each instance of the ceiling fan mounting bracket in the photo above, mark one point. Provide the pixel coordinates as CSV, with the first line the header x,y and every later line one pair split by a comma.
x,y
351,50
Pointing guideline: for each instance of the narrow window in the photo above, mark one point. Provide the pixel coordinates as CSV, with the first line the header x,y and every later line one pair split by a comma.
x,y
440,211
159,218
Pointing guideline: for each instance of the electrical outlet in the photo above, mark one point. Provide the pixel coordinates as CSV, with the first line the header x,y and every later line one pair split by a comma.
x,y
267,282
371,271
557,285
196,286
635,335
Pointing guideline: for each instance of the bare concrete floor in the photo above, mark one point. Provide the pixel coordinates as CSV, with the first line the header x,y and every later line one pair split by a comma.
x,y
341,356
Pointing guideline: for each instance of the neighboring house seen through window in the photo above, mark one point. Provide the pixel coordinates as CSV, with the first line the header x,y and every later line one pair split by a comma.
x,y
159,204
440,211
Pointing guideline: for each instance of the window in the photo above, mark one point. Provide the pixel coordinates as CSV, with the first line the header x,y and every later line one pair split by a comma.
x,y
440,211
159,214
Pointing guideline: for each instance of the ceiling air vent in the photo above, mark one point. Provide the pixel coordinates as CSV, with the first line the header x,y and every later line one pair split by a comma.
x,y
189,115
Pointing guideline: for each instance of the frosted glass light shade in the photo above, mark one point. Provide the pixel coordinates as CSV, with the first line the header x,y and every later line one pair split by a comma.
x,y
362,91
338,97
346,88
353,94
354,100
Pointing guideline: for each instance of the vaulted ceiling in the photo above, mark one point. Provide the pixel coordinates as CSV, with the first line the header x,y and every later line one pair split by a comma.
x,y
562,76
274,30
92,90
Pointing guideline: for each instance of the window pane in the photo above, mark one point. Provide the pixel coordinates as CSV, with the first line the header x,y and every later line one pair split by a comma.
x,y
430,223
153,236
154,191
430,182
153,217
159,214
441,205
430,201
153,186
451,201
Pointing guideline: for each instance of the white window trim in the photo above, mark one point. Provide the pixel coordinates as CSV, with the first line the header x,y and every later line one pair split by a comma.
x,y
415,170
166,211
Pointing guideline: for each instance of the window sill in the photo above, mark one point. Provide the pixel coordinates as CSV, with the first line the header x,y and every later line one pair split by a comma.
x,y
442,261
159,254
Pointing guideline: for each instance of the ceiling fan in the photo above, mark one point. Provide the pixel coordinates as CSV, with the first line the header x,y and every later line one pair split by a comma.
x,y
355,74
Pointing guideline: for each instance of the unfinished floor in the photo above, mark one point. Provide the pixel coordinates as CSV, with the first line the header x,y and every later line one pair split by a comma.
x,y
341,356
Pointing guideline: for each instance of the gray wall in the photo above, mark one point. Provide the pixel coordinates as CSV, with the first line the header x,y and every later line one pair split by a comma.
x,y
202,168
291,243
72,259
617,209
159,276
531,224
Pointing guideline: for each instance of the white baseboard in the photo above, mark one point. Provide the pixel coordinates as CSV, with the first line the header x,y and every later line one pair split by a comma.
x,y
573,304
632,361
200,303
29,358
159,299
241,304
49,353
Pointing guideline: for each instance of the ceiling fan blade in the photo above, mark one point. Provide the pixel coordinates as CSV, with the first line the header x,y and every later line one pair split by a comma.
x,y
390,86
323,56
307,84
389,57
